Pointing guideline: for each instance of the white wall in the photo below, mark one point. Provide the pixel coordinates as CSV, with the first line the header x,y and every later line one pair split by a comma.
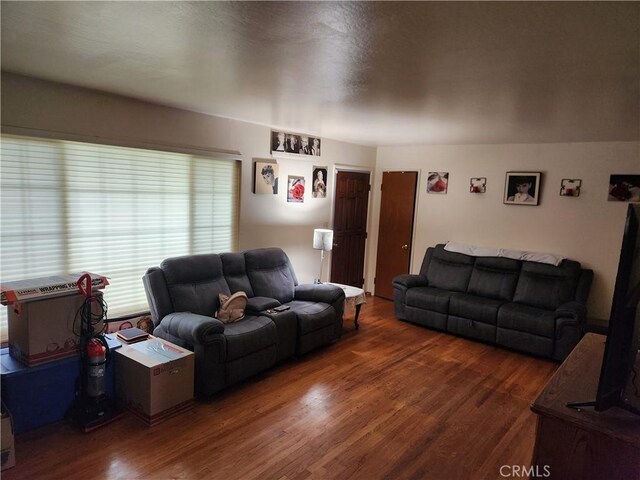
x,y
265,220
587,228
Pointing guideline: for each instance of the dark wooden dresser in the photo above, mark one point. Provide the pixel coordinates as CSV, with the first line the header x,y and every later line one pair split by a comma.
x,y
585,444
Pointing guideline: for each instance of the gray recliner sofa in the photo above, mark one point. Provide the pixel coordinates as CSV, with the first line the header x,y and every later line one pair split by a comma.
x,y
183,297
532,307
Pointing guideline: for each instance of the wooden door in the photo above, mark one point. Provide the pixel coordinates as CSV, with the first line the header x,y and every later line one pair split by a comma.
x,y
350,228
396,229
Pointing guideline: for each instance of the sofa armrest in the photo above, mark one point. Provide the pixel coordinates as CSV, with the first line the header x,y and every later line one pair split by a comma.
x,y
410,281
191,328
205,337
402,283
584,285
570,318
326,293
574,312
319,293
260,304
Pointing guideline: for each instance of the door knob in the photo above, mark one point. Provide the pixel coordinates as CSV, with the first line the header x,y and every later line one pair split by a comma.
x,y
405,246
335,244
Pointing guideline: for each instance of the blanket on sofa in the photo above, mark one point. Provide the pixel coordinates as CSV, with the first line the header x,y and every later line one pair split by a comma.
x,y
475,251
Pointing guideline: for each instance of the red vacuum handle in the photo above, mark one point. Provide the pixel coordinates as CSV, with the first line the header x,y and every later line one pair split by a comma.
x,y
84,284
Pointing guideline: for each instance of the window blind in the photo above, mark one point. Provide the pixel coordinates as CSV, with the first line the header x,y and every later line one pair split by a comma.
x,y
115,211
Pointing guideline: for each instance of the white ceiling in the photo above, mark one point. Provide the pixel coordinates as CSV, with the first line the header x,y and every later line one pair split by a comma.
x,y
383,73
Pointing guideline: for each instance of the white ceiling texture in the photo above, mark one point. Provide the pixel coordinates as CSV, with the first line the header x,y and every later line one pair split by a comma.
x,y
375,73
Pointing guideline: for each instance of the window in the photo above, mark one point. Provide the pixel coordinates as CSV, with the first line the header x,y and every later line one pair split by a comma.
x,y
68,207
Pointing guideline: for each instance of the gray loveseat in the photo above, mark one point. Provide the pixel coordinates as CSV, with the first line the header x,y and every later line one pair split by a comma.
x,y
532,307
183,297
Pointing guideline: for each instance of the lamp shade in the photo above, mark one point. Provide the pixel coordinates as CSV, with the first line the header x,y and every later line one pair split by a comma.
x,y
323,239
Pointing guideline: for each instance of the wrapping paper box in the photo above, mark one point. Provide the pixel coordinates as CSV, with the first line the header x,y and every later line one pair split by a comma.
x,y
43,330
46,287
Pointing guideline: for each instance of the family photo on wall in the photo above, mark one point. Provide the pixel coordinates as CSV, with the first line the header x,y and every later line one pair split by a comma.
x,y
265,178
522,188
319,188
294,143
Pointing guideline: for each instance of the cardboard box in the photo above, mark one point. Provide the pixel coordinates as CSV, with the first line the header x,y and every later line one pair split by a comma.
x,y
45,287
43,330
37,396
7,444
154,379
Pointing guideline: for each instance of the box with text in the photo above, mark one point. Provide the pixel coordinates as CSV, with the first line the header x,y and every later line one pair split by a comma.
x,y
154,379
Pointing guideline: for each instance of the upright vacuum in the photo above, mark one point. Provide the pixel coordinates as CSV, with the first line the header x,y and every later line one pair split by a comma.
x,y
92,408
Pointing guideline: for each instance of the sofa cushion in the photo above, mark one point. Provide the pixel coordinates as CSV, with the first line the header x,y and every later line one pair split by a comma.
x,y
249,335
194,282
547,286
524,318
271,274
494,277
448,270
481,309
427,298
235,272
312,315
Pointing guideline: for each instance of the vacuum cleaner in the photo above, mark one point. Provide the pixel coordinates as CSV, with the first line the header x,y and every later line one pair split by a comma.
x,y
92,408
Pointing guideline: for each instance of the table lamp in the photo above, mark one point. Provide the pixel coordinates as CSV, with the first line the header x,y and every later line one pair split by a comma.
x,y
323,241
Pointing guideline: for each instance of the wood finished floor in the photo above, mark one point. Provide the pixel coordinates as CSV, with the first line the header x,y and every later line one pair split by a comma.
x,y
392,400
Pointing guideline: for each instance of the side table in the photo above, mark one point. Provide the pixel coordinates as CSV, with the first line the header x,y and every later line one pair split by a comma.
x,y
354,298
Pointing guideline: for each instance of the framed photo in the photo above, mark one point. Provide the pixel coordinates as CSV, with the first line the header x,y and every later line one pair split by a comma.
x,y
624,188
437,182
265,180
478,185
295,192
277,141
570,187
294,144
522,188
319,186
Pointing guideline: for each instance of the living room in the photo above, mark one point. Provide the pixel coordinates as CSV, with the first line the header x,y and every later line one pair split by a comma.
x,y
488,89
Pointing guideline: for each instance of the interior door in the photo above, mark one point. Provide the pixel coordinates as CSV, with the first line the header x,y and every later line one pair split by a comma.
x,y
350,228
397,207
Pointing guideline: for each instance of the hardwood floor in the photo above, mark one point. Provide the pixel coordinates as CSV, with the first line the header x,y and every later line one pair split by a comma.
x,y
392,400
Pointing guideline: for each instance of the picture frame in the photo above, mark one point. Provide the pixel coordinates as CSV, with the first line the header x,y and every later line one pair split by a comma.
x,y
522,188
478,185
624,188
570,187
437,182
265,178
320,182
296,189
287,143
